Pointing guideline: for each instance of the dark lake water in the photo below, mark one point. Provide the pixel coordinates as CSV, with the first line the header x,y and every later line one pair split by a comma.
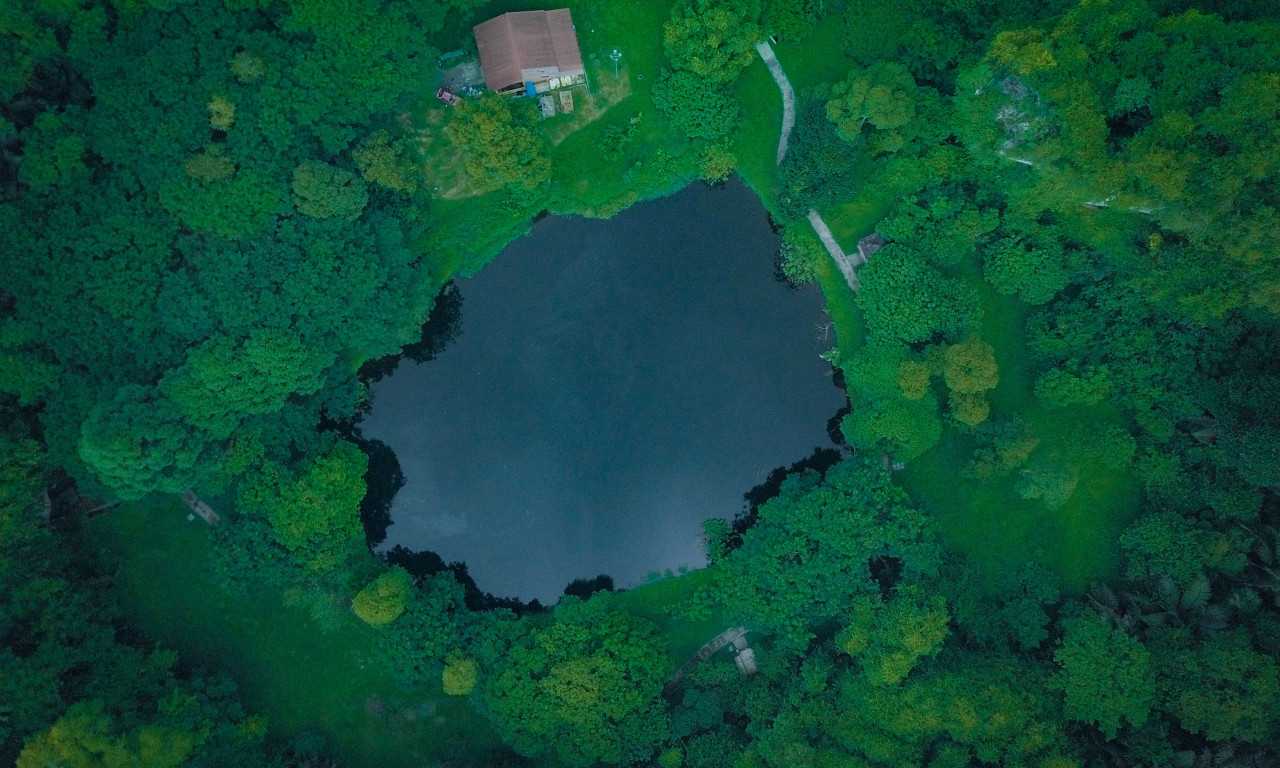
x,y
615,383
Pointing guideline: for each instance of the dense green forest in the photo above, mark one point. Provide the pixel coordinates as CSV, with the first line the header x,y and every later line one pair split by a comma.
x,y
1052,537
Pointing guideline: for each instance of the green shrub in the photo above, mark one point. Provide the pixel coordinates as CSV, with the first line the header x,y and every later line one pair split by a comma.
x,y
697,107
384,600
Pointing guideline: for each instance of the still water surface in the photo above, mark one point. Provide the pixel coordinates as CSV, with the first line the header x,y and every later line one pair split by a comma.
x,y
615,383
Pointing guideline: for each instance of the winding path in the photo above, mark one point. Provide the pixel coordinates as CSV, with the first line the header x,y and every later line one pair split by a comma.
x,y
788,95
847,263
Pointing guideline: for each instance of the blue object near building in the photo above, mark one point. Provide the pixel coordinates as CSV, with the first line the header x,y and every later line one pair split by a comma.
x,y
529,90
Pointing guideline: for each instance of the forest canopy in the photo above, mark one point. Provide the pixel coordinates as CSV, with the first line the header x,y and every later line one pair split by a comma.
x,y
1048,536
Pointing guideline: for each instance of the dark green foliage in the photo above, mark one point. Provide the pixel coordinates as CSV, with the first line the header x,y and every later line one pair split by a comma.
x,y
79,686
905,300
792,20
809,556
1171,546
943,225
696,106
814,172
212,221
1107,675
1016,267
1004,446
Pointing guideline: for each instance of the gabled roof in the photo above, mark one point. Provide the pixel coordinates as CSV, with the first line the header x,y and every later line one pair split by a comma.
x,y
513,44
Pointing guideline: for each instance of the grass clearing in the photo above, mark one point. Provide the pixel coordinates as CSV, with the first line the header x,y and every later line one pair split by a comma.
x,y
988,520
304,677
819,58
756,142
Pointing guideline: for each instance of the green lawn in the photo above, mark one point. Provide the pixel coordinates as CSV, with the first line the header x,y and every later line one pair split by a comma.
x,y
817,59
989,521
303,676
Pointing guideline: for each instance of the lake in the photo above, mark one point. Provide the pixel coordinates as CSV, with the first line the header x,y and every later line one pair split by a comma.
x,y
614,384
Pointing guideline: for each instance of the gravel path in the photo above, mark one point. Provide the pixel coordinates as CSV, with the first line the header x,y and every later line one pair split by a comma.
x,y
788,95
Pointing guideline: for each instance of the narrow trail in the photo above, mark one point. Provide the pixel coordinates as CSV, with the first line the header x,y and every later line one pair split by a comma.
x,y
716,643
848,264
788,94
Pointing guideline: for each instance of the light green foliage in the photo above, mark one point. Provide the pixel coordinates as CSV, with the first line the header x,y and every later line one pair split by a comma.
x,y
459,676
1112,109
991,709
716,163
883,106
1165,544
807,558
222,113
970,366
906,300
714,534
314,514
913,379
800,254
383,600
224,380
696,106
1107,675
384,162
501,147
889,638
82,738
322,191
671,758
969,370
1049,479
585,688
1059,387
713,39
968,408
907,428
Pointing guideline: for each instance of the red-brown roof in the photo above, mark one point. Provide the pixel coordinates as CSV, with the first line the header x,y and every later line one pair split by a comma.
x,y
527,45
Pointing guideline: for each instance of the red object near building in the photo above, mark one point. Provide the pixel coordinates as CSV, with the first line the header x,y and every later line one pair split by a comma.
x,y
447,97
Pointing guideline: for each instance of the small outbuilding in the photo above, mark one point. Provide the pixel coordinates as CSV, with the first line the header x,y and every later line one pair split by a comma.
x,y
530,51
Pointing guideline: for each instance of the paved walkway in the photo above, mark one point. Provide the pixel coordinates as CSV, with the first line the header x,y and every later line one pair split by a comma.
x,y
788,95
726,637
843,260
848,263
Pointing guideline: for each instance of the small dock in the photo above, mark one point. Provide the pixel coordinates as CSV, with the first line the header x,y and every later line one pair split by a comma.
x,y
198,507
